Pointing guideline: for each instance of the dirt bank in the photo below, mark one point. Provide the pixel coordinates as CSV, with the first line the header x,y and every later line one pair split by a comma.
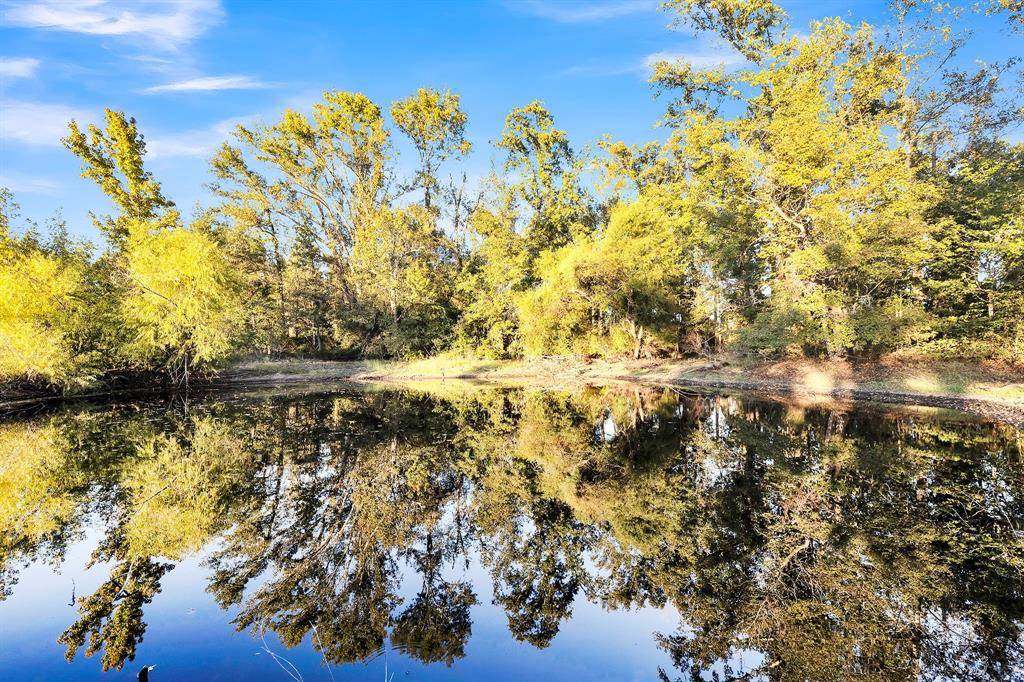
x,y
993,391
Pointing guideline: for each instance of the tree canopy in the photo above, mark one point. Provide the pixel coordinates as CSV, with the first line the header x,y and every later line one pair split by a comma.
x,y
844,191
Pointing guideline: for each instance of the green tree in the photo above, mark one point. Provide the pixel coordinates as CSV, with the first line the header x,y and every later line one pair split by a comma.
x,y
435,124
841,230
976,281
620,292
495,273
46,293
547,178
176,292
181,299
404,268
113,158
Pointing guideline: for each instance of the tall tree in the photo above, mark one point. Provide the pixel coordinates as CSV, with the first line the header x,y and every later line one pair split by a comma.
x,y
113,158
326,177
436,125
546,175
177,294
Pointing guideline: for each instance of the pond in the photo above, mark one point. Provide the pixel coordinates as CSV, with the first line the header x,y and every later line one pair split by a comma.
x,y
459,532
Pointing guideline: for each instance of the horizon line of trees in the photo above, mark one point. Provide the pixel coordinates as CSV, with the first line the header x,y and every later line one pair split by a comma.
x,y
849,192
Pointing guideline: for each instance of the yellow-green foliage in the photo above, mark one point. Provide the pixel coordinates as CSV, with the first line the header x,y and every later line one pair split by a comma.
x,y
435,124
400,268
181,295
162,297
842,192
178,489
496,271
545,177
612,293
35,501
40,311
114,159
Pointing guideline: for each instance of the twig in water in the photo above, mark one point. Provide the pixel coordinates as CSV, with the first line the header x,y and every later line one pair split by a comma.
x,y
296,675
320,640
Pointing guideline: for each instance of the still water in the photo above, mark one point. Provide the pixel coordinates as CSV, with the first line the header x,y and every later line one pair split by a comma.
x,y
508,534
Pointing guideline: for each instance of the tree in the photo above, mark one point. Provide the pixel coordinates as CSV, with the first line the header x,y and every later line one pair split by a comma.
x,y
45,298
497,270
840,212
622,291
329,207
261,220
41,316
403,267
181,299
334,174
976,281
114,159
175,290
435,124
749,26
307,293
547,178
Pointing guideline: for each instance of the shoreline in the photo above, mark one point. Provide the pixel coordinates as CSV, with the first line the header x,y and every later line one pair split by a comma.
x,y
992,392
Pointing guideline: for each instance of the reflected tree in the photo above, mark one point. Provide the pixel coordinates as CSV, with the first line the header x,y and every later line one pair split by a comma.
x,y
794,541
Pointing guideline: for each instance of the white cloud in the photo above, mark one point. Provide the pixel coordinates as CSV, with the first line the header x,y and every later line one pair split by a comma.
x,y
28,184
700,60
198,143
578,12
602,69
166,24
36,123
703,58
209,83
41,124
18,67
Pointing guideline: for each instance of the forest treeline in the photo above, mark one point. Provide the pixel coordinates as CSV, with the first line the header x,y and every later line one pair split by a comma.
x,y
849,191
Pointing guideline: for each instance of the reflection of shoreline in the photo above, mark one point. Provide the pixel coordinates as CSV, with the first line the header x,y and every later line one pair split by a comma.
x,y
805,529
975,389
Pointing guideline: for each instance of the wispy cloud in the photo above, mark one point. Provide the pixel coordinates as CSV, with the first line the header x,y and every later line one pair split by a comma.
x,y
199,143
602,69
36,123
44,124
209,83
150,60
578,12
166,24
18,67
702,58
28,184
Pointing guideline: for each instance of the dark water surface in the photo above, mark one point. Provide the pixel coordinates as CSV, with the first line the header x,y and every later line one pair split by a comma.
x,y
462,533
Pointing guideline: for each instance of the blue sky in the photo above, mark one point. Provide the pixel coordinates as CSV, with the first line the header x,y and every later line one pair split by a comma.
x,y
189,70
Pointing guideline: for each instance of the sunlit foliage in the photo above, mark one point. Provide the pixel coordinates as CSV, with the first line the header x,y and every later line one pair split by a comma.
x,y
843,191
616,293
41,311
180,298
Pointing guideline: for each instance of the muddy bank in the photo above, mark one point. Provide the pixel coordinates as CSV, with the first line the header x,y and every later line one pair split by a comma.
x,y
991,392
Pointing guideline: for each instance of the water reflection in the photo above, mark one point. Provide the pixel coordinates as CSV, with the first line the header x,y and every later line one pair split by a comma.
x,y
819,543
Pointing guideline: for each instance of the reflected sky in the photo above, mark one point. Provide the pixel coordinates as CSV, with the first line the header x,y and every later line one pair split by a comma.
x,y
508,534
